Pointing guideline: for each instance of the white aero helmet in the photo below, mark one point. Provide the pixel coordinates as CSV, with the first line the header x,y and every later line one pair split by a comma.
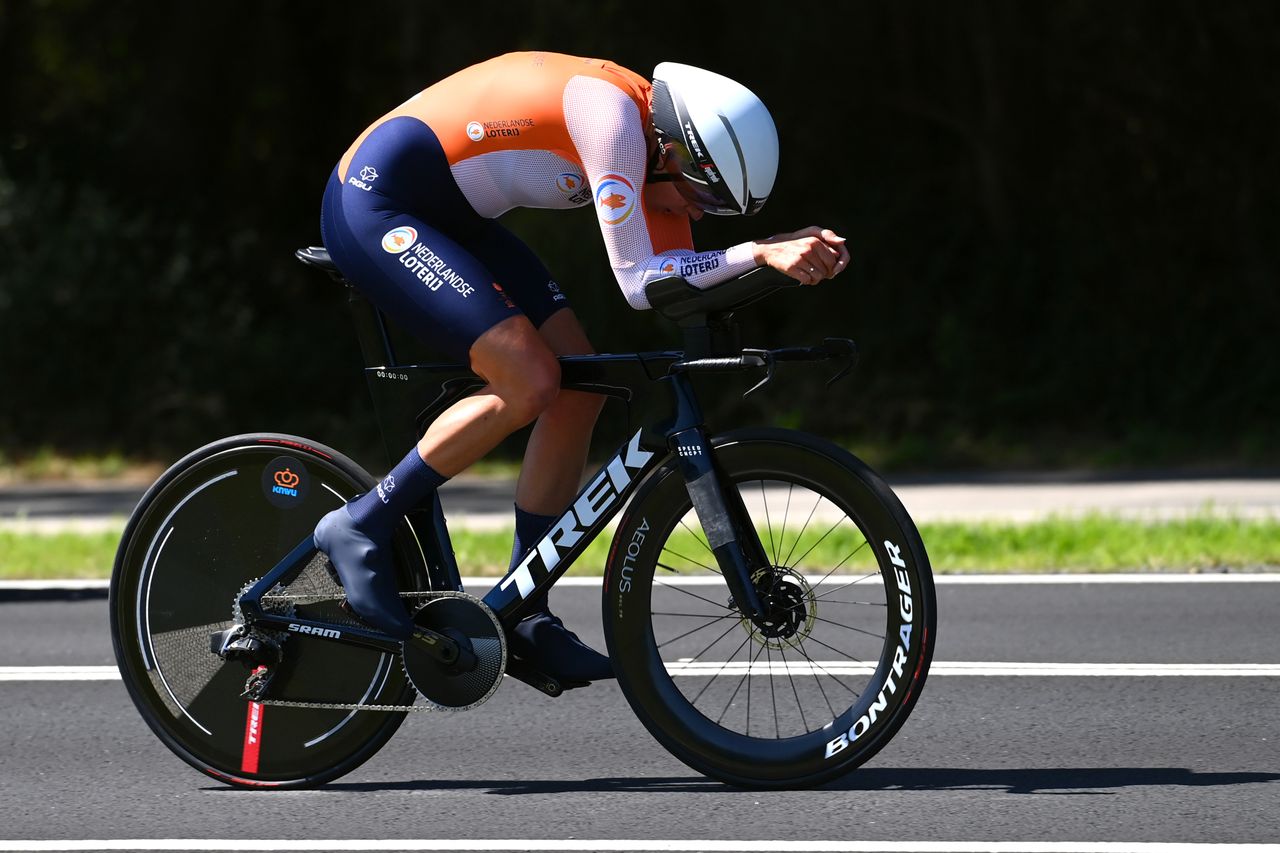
x,y
722,138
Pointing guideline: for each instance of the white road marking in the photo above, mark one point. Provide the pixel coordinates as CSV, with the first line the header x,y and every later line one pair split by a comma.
x,y
711,580
636,846
694,669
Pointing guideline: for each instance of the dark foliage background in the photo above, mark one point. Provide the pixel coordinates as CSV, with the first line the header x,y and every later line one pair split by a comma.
x,y
1064,216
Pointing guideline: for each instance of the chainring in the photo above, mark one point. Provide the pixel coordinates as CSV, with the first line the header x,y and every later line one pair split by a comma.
x,y
467,620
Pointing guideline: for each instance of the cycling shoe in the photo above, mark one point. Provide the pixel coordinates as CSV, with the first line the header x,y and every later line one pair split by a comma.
x,y
366,572
544,641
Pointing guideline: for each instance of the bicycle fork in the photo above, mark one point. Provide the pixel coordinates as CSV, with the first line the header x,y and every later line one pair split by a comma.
x,y
730,534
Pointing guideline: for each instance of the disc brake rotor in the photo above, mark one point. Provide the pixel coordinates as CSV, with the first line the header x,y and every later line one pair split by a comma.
x,y
470,623
790,610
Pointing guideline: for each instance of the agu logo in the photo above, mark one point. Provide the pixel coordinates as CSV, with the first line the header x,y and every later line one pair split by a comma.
x,y
400,239
475,131
615,199
285,482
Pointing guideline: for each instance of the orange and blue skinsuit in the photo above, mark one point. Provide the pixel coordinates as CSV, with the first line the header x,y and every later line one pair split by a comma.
x,y
410,212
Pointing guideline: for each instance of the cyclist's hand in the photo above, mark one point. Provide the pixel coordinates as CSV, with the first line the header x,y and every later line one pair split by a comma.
x,y
808,255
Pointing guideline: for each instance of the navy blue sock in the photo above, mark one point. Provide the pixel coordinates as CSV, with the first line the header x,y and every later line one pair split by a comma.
x,y
377,510
529,528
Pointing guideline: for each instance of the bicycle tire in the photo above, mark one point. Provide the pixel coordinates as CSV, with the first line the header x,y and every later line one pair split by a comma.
x,y
208,527
677,686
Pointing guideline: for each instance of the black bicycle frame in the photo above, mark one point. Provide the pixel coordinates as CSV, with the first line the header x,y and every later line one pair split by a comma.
x,y
677,429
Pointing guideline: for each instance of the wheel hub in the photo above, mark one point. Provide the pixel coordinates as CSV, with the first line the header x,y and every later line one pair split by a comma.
x,y
789,609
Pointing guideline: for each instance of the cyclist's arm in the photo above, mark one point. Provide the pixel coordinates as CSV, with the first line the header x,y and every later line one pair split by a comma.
x,y
643,245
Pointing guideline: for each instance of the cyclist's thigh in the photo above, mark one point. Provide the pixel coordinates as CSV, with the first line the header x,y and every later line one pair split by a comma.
x,y
519,273
416,273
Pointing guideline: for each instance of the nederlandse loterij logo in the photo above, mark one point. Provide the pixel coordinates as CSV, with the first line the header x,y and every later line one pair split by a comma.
x,y
400,239
475,131
615,199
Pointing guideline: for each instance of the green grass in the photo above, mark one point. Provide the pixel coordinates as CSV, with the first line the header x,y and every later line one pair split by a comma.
x,y
1093,543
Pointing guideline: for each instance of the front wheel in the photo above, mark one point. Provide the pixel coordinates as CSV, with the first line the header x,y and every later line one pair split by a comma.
x,y
828,676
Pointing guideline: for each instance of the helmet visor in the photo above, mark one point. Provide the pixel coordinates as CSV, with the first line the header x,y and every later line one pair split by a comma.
x,y
693,180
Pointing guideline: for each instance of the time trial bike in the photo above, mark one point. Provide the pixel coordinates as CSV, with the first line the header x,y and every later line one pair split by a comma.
x,y
768,604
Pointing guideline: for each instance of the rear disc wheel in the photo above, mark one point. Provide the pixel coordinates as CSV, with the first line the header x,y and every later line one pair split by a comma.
x,y
217,520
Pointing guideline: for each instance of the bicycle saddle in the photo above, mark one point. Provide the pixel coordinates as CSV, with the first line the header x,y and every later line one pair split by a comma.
x,y
318,257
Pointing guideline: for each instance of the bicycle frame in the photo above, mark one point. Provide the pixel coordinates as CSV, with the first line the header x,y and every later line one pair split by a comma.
x,y
678,429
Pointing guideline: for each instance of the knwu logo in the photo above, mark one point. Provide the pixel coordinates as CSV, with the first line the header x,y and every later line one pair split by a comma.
x,y
286,483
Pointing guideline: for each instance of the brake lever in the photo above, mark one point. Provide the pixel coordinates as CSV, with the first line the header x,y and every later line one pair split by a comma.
x,y
769,363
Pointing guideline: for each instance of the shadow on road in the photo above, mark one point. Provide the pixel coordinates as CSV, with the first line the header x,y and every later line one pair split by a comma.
x,y
1065,780
1070,781
675,784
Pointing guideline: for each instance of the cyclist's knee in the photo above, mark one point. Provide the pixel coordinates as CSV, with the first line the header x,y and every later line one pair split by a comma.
x,y
519,367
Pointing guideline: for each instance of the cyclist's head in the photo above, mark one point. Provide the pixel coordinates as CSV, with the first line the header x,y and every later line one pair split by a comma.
x,y
717,137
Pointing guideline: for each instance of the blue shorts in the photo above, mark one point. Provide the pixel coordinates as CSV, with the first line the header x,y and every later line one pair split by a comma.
x,y
402,232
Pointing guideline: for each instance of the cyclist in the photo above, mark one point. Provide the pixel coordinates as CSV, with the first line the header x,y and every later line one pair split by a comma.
x,y
409,218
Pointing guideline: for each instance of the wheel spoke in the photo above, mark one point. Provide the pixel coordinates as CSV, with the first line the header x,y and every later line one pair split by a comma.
x,y
699,597
711,621
791,487
841,562
848,627
694,700
825,672
854,658
845,586
773,549
803,720
800,559
803,528
712,644
859,603
667,550
772,693
695,535
734,695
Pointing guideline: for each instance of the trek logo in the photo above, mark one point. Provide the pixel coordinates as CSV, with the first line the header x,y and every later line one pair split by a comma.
x,y
319,632
254,733
367,174
586,510
890,687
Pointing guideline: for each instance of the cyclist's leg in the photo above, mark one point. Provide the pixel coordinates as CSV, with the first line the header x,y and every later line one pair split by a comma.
x,y
556,453
440,291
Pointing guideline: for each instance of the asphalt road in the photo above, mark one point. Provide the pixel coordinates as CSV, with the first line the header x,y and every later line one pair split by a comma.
x,y
983,759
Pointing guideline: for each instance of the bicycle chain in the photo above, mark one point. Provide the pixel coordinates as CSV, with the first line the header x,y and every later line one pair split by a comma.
x,y
353,706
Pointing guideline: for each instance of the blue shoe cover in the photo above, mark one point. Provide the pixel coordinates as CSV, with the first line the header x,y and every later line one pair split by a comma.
x,y
366,572
544,641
